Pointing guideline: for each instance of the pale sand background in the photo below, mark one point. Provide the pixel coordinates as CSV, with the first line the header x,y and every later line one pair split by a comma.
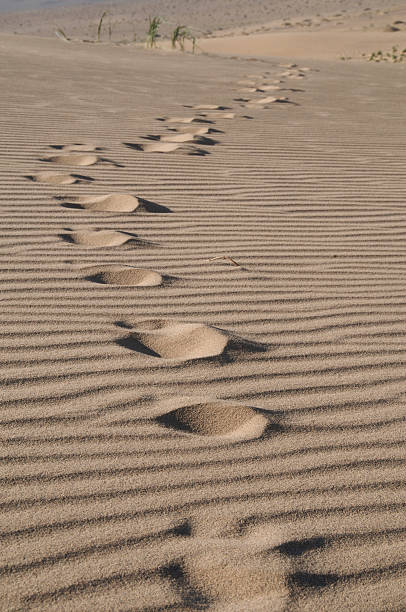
x,y
107,503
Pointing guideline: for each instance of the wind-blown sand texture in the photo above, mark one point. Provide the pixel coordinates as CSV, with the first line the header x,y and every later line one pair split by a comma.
x,y
233,439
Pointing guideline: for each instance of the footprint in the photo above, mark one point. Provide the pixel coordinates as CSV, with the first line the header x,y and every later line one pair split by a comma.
x,y
114,202
77,147
159,147
168,147
269,87
207,107
58,178
292,75
79,160
267,100
100,238
216,418
173,339
73,160
183,137
125,276
219,115
182,120
198,131
232,574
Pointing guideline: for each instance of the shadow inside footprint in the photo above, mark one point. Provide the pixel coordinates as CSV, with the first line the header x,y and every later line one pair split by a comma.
x,y
204,140
197,151
80,147
152,207
132,343
295,548
133,145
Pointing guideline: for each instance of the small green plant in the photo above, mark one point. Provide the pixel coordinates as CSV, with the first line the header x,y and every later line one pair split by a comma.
x,y
152,35
395,56
178,36
99,27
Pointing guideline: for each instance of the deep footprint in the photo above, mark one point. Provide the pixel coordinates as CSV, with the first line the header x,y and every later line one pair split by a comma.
x,y
216,418
114,202
94,239
58,178
73,160
125,276
172,339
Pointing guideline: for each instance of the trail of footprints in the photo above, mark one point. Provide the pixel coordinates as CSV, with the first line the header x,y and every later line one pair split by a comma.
x,y
212,571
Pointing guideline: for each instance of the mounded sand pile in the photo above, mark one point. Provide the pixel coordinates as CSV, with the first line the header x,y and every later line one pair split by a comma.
x,y
78,147
184,137
209,419
159,147
172,339
125,276
73,160
100,238
55,178
114,202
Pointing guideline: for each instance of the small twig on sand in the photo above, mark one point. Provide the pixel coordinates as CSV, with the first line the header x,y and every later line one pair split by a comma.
x,y
226,257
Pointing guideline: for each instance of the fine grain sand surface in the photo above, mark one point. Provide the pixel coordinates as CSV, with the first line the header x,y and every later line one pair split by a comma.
x,y
203,312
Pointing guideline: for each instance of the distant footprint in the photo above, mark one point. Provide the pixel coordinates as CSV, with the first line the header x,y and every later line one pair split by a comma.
x,y
77,147
214,107
269,87
182,137
217,115
58,178
267,100
173,339
76,159
73,160
217,418
198,131
100,238
168,147
114,202
183,120
125,276
159,147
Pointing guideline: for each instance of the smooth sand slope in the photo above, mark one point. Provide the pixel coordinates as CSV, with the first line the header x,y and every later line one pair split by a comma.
x,y
203,345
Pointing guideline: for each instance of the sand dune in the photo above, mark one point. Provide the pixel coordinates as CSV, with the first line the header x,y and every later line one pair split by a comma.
x,y
217,420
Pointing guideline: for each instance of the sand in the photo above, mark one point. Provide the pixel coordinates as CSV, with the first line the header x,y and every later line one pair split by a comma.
x,y
202,326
